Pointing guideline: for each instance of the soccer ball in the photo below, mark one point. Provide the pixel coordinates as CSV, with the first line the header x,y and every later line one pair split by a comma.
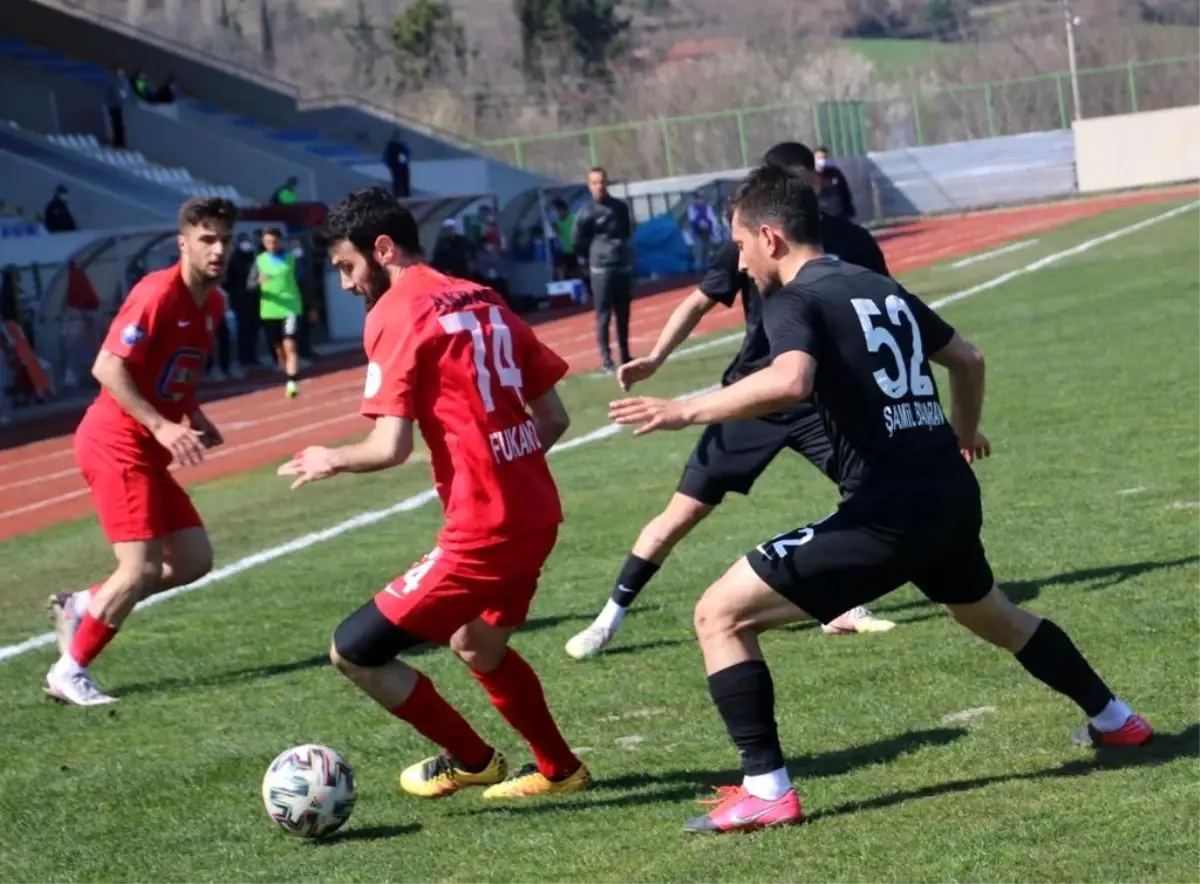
x,y
309,791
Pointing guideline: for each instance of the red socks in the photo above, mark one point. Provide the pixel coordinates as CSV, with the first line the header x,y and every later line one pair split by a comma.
x,y
90,639
438,721
515,691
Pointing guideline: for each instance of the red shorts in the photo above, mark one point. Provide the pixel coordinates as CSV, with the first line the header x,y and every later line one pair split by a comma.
x,y
447,590
135,499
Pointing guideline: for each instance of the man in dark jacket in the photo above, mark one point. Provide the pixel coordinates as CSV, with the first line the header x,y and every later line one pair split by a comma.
x,y
396,157
603,238
834,195
57,217
453,253
243,301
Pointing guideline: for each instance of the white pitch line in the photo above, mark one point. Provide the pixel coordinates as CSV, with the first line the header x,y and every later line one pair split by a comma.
x,y
1084,246
994,253
362,520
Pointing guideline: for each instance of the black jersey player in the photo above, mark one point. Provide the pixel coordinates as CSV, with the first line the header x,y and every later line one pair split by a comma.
x,y
860,347
730,457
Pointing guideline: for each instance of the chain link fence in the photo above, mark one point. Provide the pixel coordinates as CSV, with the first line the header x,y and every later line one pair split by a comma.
x,y
733,139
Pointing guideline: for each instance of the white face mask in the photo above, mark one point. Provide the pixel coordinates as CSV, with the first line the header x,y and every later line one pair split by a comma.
x,y
820,163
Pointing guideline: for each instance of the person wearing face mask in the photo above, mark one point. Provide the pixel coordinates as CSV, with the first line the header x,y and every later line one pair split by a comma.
x,y
834,196
243,301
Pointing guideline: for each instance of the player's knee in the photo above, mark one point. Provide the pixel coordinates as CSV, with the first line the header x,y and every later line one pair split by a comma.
x,y
712,616
367,640
479,646
139,579
351,649
340,663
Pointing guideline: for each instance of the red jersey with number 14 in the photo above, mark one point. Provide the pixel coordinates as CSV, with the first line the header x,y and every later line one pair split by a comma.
x,y
165,338
450,356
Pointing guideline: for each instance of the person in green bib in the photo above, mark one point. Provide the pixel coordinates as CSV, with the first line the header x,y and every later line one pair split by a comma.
x,y
280,302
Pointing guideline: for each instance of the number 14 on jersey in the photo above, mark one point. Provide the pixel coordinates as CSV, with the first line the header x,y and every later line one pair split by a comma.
x,y
502,363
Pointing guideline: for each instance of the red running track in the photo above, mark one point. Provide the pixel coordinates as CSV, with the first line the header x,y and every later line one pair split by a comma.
x,y
40,486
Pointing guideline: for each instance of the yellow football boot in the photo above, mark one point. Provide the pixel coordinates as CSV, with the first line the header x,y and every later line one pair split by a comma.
x,y
441,775
530,782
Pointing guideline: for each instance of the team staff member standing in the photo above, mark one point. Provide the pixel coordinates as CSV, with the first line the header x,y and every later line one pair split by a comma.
x,y
280,303
603,237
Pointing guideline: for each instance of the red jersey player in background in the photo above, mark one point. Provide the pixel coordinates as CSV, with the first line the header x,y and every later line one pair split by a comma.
x,y
146,416
449,356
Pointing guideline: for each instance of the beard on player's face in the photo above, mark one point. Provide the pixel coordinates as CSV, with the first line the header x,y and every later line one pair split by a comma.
x,y
378,283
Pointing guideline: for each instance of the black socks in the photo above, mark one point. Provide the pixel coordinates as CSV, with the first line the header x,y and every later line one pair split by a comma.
x,y
745,697
1052,658
635,574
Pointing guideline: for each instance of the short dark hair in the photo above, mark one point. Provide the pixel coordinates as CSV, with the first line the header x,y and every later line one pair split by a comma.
x,y
823,149
273,231
367,214
771,195
791,156
599,170
201,210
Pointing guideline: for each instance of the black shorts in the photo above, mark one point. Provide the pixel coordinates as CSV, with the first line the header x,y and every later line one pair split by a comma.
x,y
925,533
277,330
729,457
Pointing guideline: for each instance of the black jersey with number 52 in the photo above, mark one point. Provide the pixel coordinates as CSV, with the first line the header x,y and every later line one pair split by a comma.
x,y
876,395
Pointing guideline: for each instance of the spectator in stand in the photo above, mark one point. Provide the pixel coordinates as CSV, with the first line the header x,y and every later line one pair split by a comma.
x,y
603,237
453,253
397,157
243,301
141,85
58,217
834,198
285,194
164,94
116,96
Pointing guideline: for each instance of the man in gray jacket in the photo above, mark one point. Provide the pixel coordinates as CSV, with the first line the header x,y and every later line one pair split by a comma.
x,y
603,238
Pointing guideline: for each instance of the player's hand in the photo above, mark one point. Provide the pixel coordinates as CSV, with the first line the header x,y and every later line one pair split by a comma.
x,y
210,436
310,465
635,371
182,441
652,414
980,449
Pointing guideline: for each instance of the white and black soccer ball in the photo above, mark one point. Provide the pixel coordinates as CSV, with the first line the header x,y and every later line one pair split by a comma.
x,y
309,791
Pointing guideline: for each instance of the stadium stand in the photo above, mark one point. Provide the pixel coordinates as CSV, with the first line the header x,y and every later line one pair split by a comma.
x,y
134,162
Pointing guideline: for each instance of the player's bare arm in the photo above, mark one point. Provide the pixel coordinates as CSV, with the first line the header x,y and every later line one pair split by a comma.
x,y
389,444
681,323
183,442
788,379
964,361
550,418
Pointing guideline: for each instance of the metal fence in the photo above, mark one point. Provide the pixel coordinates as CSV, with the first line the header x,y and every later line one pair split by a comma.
x,y
685,145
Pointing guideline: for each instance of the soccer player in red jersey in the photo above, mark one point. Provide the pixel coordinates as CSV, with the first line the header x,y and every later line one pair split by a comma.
x,y
448,356
146,416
